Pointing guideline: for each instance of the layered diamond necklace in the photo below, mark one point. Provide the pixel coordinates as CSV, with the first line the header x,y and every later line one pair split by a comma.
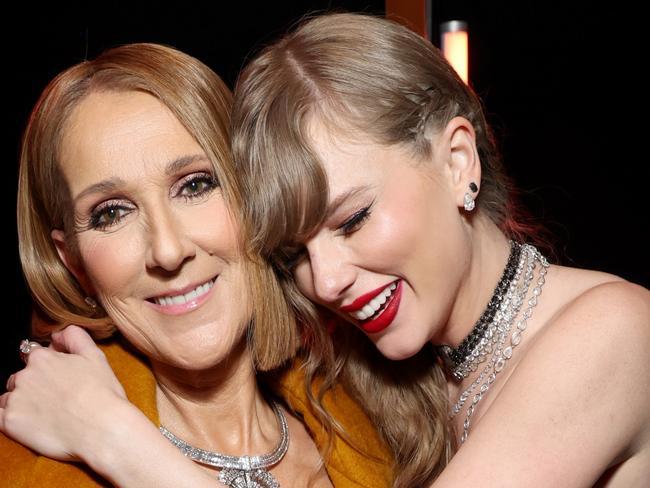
x,y
488,339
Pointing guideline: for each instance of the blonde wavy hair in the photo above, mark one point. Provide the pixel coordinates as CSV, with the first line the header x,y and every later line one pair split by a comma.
x,y
377,79
202,103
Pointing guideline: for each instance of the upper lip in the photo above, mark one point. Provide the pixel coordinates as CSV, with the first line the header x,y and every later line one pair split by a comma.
x,y
181,291
361,301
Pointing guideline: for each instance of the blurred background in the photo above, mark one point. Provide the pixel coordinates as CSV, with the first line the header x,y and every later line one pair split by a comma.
x,y
561,82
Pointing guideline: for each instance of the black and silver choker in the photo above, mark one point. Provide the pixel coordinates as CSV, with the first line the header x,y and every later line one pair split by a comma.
x,y
499,330
240,471
459,360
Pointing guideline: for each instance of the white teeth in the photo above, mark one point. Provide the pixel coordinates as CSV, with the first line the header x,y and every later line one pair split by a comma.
x,y
371,308
187,297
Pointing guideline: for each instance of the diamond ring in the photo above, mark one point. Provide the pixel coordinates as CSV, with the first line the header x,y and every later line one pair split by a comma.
x,y
27,346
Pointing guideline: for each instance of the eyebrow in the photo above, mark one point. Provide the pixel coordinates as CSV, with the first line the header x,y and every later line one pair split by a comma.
x,y
105,186
340,199
111,184
178,164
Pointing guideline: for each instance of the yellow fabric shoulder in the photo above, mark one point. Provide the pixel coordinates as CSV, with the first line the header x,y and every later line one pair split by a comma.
x,y
21,467
366,463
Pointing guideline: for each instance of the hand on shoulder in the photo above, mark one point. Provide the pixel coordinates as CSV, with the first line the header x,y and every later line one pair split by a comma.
x,y
65,393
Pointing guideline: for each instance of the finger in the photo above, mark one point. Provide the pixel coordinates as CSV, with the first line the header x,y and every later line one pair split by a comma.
x,y
11,383
75,340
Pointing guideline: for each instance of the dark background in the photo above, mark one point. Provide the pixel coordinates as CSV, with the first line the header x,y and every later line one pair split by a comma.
x,y
561,83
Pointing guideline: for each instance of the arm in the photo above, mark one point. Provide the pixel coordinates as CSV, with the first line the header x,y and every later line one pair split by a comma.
x,y
68,405
576,404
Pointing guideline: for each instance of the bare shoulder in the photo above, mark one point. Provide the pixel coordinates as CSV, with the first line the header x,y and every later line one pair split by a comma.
x,y
602,306
595,346
577,398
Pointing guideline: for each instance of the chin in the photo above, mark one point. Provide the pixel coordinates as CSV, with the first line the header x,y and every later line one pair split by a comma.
x,y
397,350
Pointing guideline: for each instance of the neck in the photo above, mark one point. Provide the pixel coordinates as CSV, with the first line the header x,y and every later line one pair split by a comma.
x,y
219,409
487,256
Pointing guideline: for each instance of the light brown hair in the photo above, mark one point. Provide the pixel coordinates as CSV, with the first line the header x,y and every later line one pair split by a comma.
x,y
202,103
372,78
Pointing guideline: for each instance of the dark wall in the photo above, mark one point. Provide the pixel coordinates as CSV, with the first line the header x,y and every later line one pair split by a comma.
x,y
560,83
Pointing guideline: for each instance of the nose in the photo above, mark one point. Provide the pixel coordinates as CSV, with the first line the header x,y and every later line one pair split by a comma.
x,y
332,272
169,243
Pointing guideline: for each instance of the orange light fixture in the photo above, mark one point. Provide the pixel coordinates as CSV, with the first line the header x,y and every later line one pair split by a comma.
x,y
455,46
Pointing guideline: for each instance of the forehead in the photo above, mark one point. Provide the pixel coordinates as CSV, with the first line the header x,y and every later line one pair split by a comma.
x,y
120,134
352,158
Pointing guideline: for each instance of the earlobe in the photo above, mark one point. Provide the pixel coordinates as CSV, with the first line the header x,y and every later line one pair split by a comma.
x,y
70,260
464,162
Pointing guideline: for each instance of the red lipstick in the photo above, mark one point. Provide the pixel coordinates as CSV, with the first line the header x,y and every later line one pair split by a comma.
x,y
359,303
387,316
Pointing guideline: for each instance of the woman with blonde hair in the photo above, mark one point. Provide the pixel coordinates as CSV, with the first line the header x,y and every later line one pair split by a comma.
x,y
128,209
373,185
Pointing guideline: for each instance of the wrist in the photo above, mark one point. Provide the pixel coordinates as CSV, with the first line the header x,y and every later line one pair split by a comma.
x,y
122,439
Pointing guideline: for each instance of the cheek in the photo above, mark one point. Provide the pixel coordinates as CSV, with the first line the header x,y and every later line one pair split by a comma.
x,y
417,236
214,229
112,261
398,228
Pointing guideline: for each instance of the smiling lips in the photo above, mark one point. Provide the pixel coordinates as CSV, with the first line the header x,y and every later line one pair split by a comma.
x,y
376,309
185,301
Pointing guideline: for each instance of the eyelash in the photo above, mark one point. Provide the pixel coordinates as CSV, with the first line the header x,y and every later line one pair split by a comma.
x,y
112,206
207,178
102,209
355,221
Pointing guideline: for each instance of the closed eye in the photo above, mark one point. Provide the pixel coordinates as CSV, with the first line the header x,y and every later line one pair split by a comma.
x,y
355,221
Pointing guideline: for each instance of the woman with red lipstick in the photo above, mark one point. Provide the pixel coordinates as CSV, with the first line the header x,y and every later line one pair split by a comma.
x,y
373,184
376,189
127,223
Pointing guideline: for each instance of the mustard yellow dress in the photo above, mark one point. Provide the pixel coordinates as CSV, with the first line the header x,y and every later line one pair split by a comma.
x,y
20,467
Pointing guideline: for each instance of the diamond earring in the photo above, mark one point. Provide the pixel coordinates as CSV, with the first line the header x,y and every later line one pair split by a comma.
x,y
468,199
468,202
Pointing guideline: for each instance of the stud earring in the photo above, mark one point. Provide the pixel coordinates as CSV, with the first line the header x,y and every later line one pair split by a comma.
x,y
468,199
90,301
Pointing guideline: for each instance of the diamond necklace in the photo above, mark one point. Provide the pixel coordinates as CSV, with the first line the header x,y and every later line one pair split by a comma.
x,y
465,358
493,337
240,471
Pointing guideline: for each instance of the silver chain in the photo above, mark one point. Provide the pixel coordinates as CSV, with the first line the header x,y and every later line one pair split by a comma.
x,y
497,332
240,471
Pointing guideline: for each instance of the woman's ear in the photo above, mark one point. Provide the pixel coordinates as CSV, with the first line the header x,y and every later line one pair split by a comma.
x,y
71,260
464,165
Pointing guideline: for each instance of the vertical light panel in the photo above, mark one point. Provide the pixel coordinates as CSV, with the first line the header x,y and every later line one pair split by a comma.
x,y
455,47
